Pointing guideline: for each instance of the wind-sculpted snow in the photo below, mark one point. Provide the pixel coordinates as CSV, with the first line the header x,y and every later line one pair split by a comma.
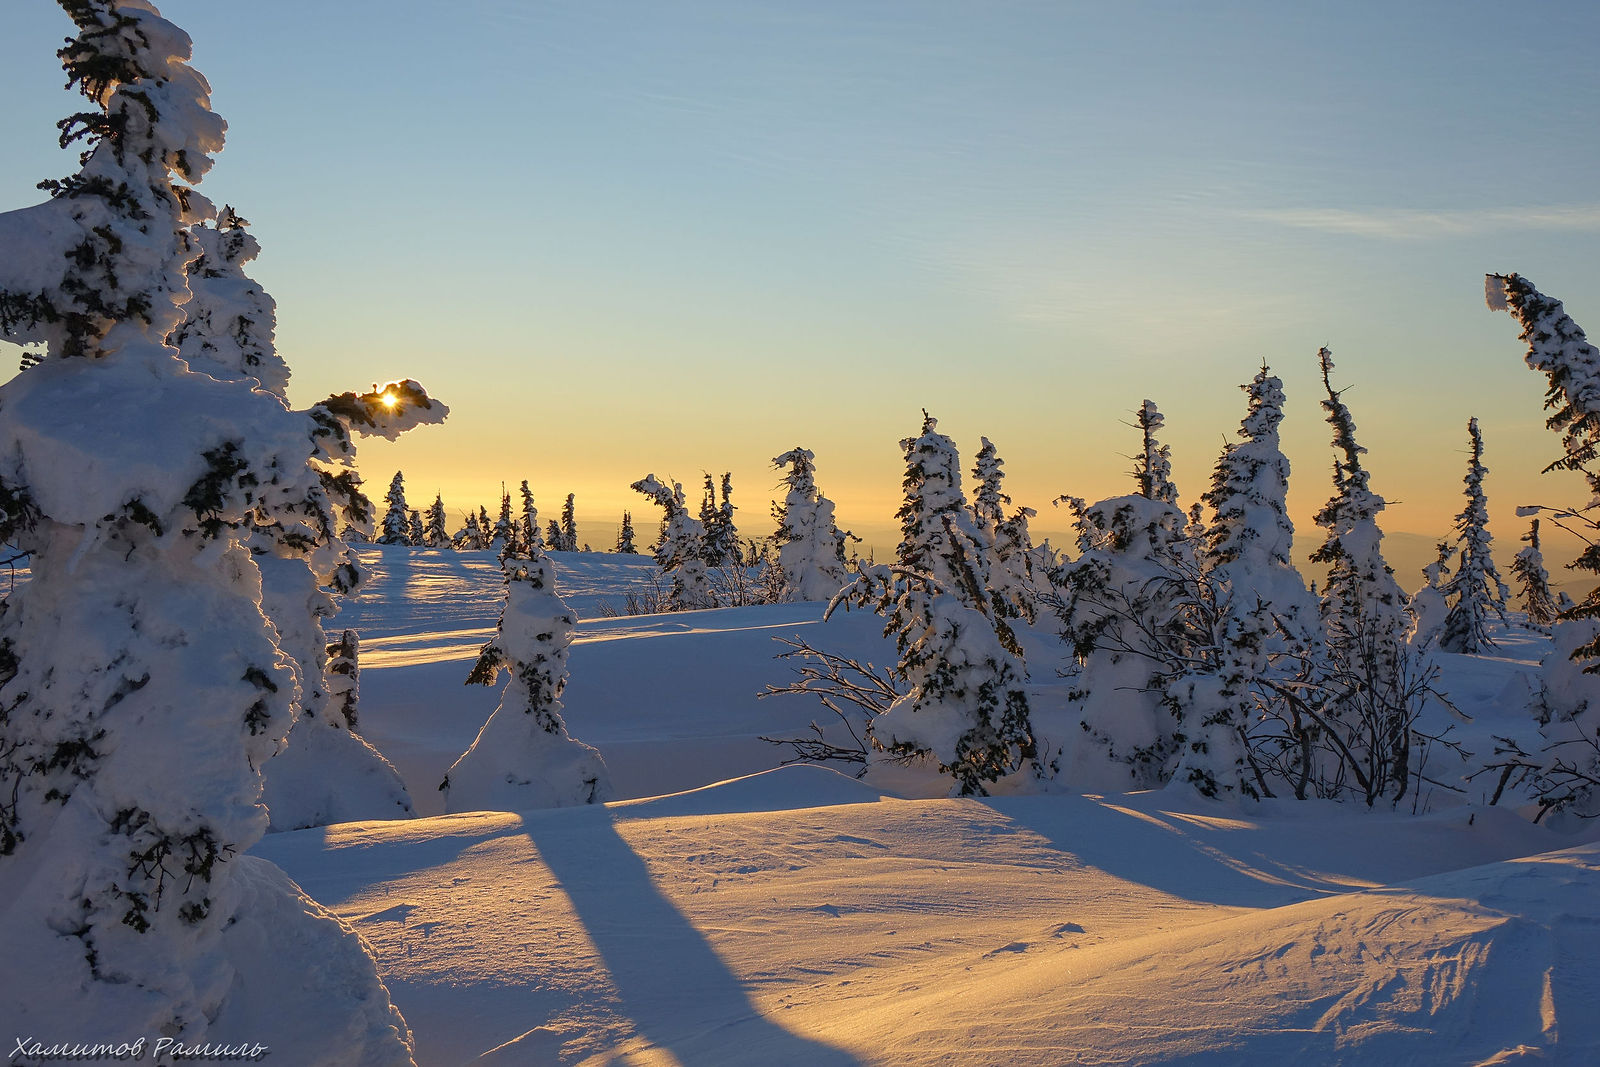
x,y
800,916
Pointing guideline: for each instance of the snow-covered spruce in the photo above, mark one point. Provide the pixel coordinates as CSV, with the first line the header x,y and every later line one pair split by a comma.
x,y
681,553
434,534
1533,581
625,536
531,537
569,524
722,547
1476,590
396,527
1011,576
1567,772
810,546
1152,468
1121,607
960,663
1376,680
1243,723
470,537
142,685
523,758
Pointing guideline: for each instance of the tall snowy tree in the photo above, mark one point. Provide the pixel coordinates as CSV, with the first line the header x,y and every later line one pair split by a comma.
x,y
625,535
397,520
523,757
1363,611
532,540
1476,590
503,534
569,524
681,553
1428,606
132,739
722,536
964,703
417,533
1567,771
1533,581
1262,633
808,542
434,534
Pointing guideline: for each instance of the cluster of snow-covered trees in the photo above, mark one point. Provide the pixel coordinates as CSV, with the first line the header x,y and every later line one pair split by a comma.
x,y
1202,658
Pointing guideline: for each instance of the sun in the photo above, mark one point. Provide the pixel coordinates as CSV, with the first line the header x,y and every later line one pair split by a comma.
x,y
389,400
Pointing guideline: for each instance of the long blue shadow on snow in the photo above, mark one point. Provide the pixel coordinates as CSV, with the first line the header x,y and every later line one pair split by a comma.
x,y
669,981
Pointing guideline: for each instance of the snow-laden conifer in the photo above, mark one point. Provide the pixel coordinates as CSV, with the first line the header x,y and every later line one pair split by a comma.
x,y
396,528
470,537
133,735
1379,683
722,536
523,758
344,676
569,524
417,532
1533,581
502,536
532,539
964,703
1152,468
434,533
625,535
1263,637
1567,771
681,551
1011,578
807,539
1476,590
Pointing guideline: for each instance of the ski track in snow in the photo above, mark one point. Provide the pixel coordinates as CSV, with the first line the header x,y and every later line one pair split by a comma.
x,y
798,916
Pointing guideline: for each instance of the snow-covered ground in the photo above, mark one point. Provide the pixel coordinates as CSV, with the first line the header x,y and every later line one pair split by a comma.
x,y
728,912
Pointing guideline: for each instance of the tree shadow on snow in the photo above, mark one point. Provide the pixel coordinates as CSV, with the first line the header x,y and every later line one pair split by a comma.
x,y
669,980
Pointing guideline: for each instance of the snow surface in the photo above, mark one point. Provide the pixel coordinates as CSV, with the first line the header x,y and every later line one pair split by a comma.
x,y
799,916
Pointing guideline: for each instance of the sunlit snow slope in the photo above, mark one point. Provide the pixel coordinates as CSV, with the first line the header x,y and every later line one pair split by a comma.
x,y
802,917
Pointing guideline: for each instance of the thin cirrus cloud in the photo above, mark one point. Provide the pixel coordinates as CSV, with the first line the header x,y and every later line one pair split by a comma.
x,y
1406,225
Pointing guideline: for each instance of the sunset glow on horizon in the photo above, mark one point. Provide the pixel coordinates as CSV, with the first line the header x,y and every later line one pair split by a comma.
x,y
623,238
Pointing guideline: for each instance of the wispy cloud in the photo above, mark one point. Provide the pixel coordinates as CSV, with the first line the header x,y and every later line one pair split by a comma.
x,y
1404,225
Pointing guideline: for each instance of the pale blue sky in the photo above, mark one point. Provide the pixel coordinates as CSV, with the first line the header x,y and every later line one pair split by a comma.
x,y
629,237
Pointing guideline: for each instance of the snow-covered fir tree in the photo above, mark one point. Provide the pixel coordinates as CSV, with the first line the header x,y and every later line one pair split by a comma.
x,y
132,739
569,524
1533,581
344,677
1363,612
502,536
417,532
625,543
964,705
1476,590
532,539
1011,579
470,537
681,551
1241,702
434,533
396,528
1121,608
523,757
229,319
1566,772
1152,468
554,541
810,545
722,536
